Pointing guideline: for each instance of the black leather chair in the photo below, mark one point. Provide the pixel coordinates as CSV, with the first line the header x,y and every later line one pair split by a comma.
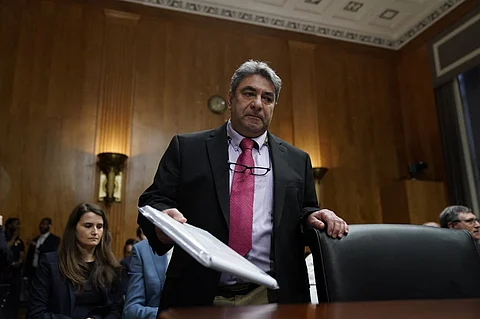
x,y
395,262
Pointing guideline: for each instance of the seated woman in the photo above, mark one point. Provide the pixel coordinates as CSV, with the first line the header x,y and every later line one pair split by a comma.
x,y
147,275
82,280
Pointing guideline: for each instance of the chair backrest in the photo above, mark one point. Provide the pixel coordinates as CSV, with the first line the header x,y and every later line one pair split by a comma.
x,y
395,262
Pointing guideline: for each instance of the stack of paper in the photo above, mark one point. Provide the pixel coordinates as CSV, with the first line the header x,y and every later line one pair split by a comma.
x,y
207,249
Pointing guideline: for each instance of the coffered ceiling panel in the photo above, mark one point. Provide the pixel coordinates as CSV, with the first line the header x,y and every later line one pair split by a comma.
x,y
383,23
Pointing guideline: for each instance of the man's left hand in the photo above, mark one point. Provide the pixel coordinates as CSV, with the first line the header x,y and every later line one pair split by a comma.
x,y
336,226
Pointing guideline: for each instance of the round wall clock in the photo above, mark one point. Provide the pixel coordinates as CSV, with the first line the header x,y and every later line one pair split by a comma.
x,y
217,104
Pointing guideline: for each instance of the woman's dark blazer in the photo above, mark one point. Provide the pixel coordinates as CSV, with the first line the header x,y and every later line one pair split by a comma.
x,y
53,297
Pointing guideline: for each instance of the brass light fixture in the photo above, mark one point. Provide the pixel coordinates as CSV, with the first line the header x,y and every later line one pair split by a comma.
x,y
111,166
319,172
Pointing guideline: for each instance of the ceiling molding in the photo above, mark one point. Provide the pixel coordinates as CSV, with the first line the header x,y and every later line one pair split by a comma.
x,y
387,24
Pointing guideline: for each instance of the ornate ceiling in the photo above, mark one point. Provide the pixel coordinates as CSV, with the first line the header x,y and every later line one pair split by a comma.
x,y
383,23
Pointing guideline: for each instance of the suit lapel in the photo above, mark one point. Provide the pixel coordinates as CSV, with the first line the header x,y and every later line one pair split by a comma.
x,y
217,149
280,166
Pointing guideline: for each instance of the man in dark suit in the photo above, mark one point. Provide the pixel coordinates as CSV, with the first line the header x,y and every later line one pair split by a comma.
x,y
246,187
44,243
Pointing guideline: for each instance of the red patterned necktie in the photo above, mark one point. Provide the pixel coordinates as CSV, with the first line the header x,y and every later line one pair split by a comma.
x,y
241,202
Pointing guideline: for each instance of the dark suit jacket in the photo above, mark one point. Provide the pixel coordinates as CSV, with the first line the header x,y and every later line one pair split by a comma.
x,y
50,244
5,256
147,275
53,297
193,176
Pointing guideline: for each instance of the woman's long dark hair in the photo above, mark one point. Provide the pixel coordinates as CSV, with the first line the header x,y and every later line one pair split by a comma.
x,y
106,272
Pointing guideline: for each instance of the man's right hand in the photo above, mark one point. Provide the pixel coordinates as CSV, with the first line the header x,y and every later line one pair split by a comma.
x,y
175,214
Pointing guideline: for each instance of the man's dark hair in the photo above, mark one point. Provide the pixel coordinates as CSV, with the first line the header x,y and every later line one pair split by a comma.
x,y
48,219
130,241
450,214
139,232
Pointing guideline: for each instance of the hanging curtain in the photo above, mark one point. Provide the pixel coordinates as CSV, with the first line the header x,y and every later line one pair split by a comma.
x,y
457,179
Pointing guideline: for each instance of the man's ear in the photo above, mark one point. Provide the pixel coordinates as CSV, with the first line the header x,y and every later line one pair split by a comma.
x,y
451,225
229,99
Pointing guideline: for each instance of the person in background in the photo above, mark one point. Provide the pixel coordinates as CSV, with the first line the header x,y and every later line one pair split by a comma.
x,y
140,235
461,217
127,249
44,243
82,279
14,270
146,279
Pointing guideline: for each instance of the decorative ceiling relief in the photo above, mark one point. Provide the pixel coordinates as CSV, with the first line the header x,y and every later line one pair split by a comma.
x,y
383,23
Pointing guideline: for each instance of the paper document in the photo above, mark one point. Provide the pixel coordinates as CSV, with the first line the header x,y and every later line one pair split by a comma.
x,y
207,249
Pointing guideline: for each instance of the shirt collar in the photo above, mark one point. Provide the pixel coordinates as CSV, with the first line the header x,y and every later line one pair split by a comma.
x,y
235,138
44,235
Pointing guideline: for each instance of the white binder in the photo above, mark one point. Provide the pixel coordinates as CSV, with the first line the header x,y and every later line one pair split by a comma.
x,y
207,249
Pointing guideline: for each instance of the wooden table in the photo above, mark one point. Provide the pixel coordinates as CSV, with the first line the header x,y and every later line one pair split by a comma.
x,y
424,309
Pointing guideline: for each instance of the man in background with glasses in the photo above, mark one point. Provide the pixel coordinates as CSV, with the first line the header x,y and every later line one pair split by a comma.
x,y
461,217
248,188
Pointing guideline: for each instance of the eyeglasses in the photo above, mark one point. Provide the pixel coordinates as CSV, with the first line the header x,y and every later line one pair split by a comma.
x,y
254,170
467,221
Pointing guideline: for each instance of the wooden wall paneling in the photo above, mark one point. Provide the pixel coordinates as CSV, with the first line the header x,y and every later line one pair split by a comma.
x,y
44,118
422,134
10,14
150,136
67,146
357,139
304,103
412,201
381,98
335,130
115,109
93,55
361,166
16,134
204,60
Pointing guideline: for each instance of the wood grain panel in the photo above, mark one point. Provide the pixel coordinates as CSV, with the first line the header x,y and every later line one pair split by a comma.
x,y
355,96
149,135
304,105
412,201
115,110
48,141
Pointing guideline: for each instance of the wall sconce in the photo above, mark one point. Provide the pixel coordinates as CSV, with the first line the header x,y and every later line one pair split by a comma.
x,y
319,172
111,166
416,168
